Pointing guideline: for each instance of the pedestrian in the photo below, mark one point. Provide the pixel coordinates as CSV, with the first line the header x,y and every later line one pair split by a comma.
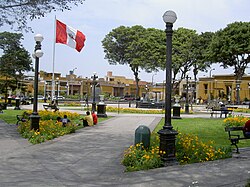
x,y
65,120
94,116
87,120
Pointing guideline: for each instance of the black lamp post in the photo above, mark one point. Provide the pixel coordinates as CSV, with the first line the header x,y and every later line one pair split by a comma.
x,y
94,77
187,103
168,134
34,117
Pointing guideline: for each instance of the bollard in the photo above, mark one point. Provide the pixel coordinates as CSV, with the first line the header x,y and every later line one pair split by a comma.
x,y
142,135
176,112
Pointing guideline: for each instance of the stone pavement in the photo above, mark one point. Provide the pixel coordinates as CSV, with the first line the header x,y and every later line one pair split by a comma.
x,y
92,156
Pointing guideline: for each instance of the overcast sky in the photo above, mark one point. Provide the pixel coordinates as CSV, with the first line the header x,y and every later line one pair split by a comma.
x,y
96,18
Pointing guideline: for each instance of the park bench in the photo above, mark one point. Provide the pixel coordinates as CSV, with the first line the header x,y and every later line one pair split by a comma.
x,y
51,107
220,111
22,118
234,138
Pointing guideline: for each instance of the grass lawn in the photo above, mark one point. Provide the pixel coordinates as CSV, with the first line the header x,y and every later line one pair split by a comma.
x,y
206,129
9,116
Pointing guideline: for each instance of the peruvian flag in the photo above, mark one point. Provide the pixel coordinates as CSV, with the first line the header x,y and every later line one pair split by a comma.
x,y
69,36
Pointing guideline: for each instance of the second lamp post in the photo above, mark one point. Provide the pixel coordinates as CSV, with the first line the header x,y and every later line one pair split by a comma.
x,y
94,78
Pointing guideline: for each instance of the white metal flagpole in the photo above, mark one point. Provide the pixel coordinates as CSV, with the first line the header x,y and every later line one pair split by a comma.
x,y
53,68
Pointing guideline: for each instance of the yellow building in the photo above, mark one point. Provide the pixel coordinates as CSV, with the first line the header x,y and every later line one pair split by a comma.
x,y
223,87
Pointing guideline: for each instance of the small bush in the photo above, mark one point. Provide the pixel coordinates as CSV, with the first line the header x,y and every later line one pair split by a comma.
x,y
190,150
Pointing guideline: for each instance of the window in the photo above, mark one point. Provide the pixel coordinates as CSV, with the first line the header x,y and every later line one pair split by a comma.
x,y
205,88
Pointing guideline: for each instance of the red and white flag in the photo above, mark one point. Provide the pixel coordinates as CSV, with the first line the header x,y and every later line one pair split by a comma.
x,y
69,36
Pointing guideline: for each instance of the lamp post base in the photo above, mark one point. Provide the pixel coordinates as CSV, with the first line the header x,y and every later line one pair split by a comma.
x,y
34,121
167,145
101,111
17,107
176,112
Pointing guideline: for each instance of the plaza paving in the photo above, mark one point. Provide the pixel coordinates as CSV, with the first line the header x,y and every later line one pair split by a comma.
x,y
92,156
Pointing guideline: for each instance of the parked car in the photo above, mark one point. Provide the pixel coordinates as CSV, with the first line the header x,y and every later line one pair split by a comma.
x,y
129,98
59,97
40,97
246,102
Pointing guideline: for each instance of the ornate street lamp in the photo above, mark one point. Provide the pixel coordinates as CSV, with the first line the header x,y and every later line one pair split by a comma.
x,y
94,77
38,53
168,134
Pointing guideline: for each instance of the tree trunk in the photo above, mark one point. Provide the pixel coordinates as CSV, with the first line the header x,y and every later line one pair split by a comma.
x,y
136,73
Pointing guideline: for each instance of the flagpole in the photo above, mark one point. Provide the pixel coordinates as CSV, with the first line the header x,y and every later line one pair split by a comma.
x,y
53,68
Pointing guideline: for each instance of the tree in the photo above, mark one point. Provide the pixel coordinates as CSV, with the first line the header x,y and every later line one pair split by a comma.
x,y
231,47
200,53
16,13
140,48
15,59
183,53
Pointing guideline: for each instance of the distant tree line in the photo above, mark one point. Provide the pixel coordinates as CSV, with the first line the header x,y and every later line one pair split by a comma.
x,y
145,49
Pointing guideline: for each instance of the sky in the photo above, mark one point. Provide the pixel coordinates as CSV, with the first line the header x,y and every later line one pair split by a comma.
x,y
96,18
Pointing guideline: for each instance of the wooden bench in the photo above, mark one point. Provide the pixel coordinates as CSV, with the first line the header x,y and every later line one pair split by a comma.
x,y
221,111
22,118
234,138
52,107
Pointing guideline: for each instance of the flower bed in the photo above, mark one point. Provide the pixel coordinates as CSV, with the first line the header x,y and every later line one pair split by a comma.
x,y
138,110
189,149
48,127
235,121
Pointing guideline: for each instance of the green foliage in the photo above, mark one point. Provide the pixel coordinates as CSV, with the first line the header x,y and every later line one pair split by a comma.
x,y
17,13
230,46
137,47
14,59
183,50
